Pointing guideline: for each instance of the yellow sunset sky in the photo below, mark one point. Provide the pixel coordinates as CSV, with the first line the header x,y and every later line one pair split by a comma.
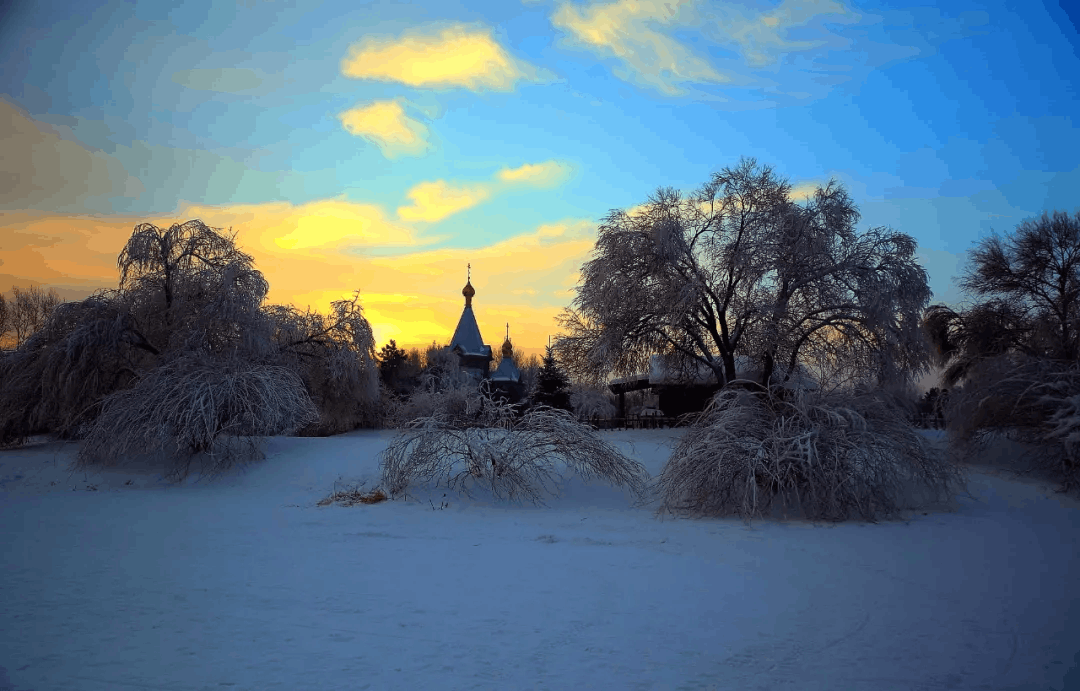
x,y
384,147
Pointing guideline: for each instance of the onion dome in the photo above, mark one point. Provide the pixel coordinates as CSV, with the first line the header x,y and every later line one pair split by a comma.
x,y
507,347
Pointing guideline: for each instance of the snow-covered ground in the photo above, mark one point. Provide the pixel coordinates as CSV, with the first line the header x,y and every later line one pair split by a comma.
x,y
117,580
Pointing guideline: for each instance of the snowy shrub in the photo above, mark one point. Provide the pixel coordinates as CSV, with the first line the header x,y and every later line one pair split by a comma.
x,y
821,459
443,392
1034,401
591,403
195,406
512,457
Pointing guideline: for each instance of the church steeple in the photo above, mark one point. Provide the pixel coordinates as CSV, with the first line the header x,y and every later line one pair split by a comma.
x,y
473,354
468,291
507,347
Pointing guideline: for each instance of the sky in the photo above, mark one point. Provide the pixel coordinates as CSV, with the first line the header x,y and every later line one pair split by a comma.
x,y
383,147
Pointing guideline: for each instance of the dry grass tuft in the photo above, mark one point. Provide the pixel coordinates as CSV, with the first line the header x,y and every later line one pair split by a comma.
x,y
351,497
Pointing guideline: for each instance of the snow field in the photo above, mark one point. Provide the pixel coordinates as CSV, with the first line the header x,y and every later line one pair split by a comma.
x,y
244,583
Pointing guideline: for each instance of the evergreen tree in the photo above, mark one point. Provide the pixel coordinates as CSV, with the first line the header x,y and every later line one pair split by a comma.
x,y
391,361
552,384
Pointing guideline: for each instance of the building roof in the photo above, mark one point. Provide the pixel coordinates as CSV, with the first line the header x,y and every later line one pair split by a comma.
x,y
506,371
467,336
745,368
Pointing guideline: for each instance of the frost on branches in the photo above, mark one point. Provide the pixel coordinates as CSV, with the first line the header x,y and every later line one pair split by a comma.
x,y
754,455
740,268
512,457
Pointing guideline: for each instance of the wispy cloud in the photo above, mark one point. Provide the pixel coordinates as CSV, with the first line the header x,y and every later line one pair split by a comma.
x,y
439,57
647,37
638,34
434,201
548,173
386,125
762,37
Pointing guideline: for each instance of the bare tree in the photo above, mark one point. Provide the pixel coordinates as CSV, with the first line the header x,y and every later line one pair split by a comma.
x,y
29,309
740,268
5,319
55,380
1036,270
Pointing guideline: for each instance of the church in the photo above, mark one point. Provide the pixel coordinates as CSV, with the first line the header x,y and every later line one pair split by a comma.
x,y
474,356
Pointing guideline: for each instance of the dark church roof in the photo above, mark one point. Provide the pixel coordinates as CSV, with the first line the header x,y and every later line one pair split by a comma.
x,y
467,340
467,336
507,369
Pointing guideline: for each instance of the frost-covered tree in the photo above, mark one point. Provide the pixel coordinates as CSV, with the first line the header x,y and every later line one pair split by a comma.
x,y
1015,350
182,359
334,355
1026,287
740,268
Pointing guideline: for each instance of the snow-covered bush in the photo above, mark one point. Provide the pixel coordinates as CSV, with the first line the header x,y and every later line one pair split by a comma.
x,y
443,392
512,457
751,454
591,403
1035,401
198,406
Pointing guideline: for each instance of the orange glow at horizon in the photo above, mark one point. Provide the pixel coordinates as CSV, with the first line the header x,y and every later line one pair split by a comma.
x,y
414,298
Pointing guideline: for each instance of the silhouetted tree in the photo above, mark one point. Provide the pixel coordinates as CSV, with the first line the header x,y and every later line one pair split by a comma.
x,y
1016,350
552,384
28,311
740,268
391,361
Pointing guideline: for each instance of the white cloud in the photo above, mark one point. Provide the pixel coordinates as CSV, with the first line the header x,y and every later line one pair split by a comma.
x,y
434,57
388,126
642,36
434,201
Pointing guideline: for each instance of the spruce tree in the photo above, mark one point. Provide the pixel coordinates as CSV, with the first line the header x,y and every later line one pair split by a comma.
x,y
391,360
552,384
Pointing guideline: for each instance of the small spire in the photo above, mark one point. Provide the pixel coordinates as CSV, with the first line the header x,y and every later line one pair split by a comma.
x,y
468,291
507,348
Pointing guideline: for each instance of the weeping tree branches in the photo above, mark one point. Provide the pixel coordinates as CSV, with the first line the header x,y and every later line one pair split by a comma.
x,y
183,355
752,455
738,268
335,357
197,405
509,456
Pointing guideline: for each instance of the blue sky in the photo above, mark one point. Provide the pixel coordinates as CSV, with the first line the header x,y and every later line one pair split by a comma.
x,y
382,146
